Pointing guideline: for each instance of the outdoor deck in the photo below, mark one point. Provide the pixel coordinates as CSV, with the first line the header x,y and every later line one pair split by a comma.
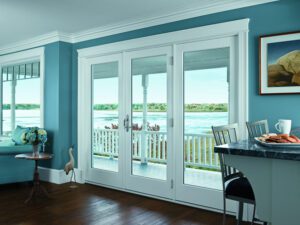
x,y
198,177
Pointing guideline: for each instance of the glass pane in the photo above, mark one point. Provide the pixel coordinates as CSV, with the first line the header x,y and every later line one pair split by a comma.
x,y
21,104
28,103
105,116
149,117
6,92
28,68
205,104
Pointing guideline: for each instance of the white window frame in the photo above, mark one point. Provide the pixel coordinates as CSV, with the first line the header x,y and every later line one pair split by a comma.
x,y
24,57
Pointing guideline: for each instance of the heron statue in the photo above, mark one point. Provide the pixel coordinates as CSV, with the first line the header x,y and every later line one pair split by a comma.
x,y
69,167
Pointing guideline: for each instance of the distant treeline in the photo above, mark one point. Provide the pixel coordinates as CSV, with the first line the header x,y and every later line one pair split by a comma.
x,y
152,107
22,106
161,107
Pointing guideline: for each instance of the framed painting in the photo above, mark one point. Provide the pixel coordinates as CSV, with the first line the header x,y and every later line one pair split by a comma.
x,y
279,62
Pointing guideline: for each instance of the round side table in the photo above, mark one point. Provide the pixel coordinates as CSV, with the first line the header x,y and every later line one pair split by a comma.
x,y
36,177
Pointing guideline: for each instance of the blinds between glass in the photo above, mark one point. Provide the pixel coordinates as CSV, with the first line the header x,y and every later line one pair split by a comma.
x,y
21,71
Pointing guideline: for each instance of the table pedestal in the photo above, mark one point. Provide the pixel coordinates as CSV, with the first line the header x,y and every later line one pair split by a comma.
x,y
37,187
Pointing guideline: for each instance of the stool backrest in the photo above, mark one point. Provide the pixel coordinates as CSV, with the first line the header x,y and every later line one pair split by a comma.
x,y
225,135
257,128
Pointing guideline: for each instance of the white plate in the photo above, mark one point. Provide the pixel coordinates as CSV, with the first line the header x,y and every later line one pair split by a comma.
x,y
277,145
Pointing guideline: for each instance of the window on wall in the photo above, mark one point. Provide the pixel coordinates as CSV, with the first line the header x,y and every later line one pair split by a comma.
x,y
21,98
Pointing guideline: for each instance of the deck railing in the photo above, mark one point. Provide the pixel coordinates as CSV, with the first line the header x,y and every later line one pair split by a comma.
x,y
199,148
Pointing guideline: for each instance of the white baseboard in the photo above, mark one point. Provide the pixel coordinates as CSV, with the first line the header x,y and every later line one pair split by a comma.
x,y
58,176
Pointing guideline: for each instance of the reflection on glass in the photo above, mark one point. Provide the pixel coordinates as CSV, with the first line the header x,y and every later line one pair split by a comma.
x,y
205,104
105,141
149,117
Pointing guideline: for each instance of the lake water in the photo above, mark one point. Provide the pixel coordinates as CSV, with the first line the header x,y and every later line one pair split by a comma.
x,y
195,123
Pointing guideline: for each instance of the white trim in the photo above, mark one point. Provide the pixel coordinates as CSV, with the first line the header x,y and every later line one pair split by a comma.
x,y
21,57
177,37
36,41
176,16
58,176
126,26
27,56
243,83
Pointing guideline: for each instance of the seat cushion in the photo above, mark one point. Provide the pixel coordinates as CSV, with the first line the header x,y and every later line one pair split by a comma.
x,y
240,187
8,147
18,135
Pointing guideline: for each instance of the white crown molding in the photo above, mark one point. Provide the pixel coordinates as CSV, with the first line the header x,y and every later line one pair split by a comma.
x,y
35,42
176,16
126,26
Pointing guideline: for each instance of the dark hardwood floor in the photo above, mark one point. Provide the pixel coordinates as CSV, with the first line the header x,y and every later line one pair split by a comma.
x,y
93,205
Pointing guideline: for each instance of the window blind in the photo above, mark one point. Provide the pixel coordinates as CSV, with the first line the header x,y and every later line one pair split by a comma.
x,y
21,71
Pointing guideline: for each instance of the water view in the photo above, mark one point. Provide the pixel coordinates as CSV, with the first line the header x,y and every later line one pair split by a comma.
x,y
195,122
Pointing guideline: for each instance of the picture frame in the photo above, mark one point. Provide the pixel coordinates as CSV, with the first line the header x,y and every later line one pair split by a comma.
x,y
279,63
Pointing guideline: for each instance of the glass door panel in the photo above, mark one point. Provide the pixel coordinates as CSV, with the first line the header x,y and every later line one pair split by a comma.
x,y
149,117
149,134
104,166
105,116
202,95
205,105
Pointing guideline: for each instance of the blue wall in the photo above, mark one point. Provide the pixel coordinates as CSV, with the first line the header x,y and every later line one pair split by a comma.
x,y
271,18
57,99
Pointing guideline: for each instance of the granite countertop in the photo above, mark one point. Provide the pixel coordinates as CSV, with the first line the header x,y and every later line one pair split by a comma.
x,y
251,148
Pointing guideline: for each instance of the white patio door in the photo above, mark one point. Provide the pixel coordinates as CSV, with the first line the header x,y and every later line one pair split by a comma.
x,y
148,121
105,153
203,98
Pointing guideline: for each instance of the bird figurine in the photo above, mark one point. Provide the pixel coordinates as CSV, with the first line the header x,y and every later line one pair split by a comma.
x,y
70,165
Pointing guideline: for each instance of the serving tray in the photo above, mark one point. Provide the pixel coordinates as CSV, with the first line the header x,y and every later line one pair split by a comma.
x,y
277,145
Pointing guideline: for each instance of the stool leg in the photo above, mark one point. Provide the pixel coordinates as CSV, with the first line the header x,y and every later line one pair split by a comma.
x,y
224,210
240,215
253,216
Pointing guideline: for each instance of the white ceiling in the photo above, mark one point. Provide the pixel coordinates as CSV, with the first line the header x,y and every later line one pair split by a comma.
x,y
24,19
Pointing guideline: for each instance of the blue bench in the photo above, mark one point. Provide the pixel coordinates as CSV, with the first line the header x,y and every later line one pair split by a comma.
x,y
14,170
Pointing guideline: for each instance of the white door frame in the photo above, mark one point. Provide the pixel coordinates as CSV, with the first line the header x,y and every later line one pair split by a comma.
x,y
163,188
184,192
237,29
106,177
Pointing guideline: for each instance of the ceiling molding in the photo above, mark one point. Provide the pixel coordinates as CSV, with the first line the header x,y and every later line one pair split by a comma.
x,y
176,16
126,26
35,42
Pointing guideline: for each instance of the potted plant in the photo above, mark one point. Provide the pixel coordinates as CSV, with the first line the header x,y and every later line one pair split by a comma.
x,y
36,137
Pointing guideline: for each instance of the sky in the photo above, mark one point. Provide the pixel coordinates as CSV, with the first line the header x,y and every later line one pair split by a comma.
x,y
27,91
201,86
276,50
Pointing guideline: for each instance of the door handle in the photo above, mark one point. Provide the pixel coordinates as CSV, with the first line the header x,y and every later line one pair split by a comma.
x,y
126,123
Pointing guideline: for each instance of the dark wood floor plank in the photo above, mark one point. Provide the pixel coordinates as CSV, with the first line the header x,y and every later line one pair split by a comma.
x,y
93,205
